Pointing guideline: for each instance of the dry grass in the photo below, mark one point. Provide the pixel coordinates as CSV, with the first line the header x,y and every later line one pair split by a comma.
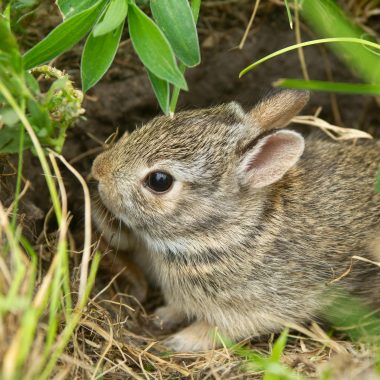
x,y
114,336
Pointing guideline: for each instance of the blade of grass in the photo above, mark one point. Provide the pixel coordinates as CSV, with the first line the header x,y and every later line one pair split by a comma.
x,y
19,171
34,262
23,339
317,85
297,32
87,228
59,273
289,14
17,280
72,318
279,345
309,43
249,26
17,262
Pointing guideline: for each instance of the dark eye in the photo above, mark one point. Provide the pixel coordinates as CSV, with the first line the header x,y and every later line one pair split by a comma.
x,y
159,182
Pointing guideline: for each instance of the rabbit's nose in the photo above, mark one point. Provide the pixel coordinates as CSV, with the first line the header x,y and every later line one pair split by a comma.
x,y
100,168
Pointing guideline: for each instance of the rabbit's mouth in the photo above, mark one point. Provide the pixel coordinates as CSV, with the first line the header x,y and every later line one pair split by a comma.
x,y
111,199
115,204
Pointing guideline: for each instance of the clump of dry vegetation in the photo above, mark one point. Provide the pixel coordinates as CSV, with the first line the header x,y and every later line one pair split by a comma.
x,y
72,307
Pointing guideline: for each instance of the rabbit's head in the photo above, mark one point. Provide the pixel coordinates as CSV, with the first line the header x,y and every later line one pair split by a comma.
x,y
183,175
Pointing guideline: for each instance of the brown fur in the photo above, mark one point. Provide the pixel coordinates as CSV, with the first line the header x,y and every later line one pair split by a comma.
x,y
236,257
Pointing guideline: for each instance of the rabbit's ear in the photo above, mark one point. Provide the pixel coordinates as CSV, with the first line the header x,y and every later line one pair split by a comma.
x,y
276,111
268,158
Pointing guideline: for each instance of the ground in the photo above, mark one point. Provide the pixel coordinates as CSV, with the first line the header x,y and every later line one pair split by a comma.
x,y
117,336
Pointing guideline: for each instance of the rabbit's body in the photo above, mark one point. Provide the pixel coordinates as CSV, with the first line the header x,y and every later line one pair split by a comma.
x,y
248,255
277,267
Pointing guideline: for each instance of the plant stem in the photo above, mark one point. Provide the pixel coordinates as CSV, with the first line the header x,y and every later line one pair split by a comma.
x,y
176,91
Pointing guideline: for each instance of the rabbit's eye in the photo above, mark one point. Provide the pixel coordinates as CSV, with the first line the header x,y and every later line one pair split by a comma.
x,y
159,182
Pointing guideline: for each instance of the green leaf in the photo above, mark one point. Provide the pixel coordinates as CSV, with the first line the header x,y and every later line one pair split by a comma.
x,y
277,371
8,116
32,83
279,346
97,56
7,39
115,14
175,19
11,65
378,183
9,51
69,8
318,85
161,90
38,115
195,7
153,48
10,140
63,37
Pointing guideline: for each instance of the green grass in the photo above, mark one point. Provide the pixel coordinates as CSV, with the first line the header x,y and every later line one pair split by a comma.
x,y
287,49
24,296
342,88
270,365
345,38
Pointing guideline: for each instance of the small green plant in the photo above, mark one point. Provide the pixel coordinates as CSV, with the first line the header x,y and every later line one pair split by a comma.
x,y
160,43
271,365
50,112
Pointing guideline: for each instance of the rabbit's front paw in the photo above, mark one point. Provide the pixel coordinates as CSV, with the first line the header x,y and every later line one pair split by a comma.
x,y
168,317
199,336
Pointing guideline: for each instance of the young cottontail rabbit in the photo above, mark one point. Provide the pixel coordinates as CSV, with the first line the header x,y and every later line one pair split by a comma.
x,y
245,227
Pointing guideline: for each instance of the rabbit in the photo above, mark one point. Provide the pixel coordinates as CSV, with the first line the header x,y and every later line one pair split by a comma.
x,y
243,224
